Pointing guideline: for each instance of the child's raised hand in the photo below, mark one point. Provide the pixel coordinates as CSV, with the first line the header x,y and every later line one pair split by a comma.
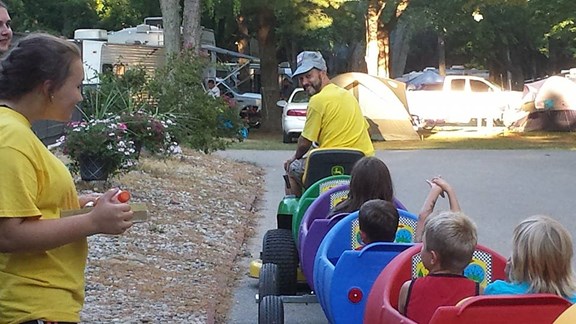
x,y
447,188
435,187
441,182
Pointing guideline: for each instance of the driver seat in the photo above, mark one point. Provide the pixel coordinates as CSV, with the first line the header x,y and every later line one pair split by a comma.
x,y
325,162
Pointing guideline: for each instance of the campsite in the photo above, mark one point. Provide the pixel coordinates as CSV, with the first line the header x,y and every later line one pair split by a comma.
x,y
402,109
210,179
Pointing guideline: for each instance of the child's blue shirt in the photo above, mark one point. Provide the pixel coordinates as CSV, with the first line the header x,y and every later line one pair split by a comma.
x,y
501,287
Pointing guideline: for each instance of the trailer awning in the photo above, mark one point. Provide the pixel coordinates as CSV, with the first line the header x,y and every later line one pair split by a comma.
x,y
229,52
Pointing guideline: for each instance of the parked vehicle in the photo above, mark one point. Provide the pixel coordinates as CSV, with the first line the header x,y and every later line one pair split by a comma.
x,y
249,104
294,114
461,99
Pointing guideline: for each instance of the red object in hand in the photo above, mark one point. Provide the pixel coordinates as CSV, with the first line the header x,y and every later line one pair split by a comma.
x,y
123,196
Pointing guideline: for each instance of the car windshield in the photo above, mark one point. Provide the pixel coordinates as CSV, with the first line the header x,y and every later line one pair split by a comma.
x,y
301,97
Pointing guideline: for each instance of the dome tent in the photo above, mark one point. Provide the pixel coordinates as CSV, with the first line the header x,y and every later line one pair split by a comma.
x,y
550,106
383,103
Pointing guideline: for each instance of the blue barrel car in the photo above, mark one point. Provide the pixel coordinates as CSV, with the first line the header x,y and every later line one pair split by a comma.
x,y
344,274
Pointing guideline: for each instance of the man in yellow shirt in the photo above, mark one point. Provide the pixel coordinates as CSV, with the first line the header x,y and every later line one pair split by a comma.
x,y
333,120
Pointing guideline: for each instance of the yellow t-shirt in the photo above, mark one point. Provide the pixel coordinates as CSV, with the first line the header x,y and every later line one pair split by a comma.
x,y
37,285
334,119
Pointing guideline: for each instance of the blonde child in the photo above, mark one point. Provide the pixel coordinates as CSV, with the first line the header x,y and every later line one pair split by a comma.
x,y
449,240
541,260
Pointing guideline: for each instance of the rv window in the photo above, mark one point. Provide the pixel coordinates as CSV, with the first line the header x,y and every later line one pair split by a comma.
x,y
107,68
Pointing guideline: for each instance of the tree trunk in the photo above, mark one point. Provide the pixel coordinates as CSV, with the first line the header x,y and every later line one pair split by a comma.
x,y
171,21
400,45
441,55
378,35
192,30
244,48
357,62
271,115
293,54
383,52
244,37
373,14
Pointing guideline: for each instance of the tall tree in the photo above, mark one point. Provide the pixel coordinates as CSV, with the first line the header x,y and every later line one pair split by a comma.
x,y
118,14
266,25
266,15
556,19
172,21
375,8
381,18
191,21
58,17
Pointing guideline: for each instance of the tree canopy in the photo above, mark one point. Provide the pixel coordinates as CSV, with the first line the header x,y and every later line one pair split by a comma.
x,y
523,38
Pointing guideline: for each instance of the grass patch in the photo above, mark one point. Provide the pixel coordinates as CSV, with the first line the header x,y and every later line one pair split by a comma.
x,y
443,138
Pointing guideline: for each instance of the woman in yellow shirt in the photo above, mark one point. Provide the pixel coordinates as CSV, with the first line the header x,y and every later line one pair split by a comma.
x,y
42,255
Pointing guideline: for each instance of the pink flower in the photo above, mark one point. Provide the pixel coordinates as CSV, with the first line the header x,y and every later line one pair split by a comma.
x,y
73,124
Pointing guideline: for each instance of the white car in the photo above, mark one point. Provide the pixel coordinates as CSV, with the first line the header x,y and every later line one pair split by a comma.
x,y
293,114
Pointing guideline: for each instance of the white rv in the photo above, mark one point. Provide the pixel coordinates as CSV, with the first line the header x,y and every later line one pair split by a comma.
x,y
143,45
115,51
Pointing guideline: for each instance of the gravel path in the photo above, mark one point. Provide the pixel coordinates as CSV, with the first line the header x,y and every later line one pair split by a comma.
x,y
180,265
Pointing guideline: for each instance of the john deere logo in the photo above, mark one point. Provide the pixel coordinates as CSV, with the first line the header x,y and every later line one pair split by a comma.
x,y
337,170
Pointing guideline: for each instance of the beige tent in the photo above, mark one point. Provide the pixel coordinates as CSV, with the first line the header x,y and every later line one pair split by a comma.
x,y
383,103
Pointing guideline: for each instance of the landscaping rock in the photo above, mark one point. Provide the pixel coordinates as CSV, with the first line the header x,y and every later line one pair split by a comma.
x,y
179,265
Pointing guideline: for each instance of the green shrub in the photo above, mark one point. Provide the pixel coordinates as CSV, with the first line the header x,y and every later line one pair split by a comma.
x,y
204,123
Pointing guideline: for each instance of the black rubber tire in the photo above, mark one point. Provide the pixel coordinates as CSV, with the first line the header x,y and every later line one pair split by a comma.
x,y
271,310
268,281
278,247
286,138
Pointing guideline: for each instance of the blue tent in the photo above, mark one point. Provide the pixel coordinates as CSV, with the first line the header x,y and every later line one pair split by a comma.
x,y
426,77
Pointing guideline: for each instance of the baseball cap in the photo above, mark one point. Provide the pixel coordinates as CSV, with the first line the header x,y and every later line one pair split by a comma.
x,y
308,60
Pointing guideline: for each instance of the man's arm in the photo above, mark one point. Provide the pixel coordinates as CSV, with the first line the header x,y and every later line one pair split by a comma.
x,y
303,146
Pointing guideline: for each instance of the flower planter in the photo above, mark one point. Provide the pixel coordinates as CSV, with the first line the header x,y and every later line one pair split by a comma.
x,y
94,168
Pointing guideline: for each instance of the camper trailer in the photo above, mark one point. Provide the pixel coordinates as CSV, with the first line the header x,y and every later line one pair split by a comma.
x,y
143,45
114,51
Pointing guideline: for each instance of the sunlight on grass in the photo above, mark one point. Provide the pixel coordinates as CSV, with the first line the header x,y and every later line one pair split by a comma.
x,y
469,139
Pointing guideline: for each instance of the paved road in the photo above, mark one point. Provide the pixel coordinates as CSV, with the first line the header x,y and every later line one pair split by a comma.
x,y
496,188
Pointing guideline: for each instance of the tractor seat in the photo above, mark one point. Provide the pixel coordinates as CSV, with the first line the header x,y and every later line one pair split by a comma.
x,y
325,162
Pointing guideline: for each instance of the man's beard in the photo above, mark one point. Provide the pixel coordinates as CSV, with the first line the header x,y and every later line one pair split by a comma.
x,y
314,87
